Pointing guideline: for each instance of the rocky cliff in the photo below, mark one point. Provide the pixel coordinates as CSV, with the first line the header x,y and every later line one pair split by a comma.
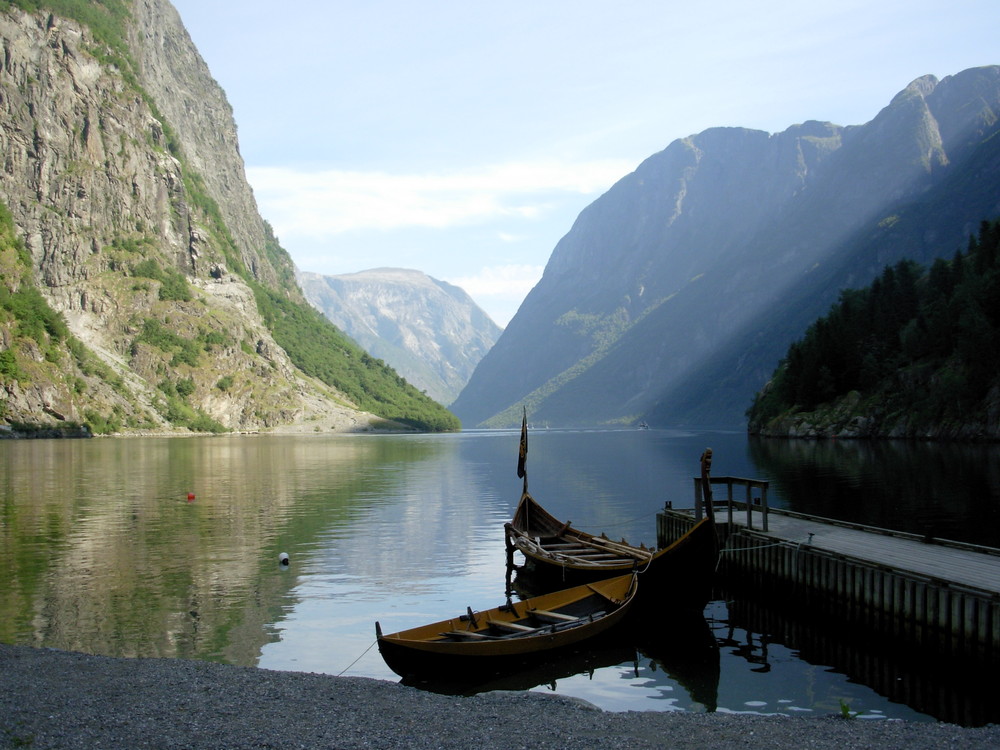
x,y
429,331
673,295
131,214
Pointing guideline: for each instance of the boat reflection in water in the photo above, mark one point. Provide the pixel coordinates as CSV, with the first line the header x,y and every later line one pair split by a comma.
x,y
679,644
683,648
609,651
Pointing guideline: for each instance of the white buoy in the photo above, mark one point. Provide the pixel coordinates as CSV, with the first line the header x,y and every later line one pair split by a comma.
x,y
283,558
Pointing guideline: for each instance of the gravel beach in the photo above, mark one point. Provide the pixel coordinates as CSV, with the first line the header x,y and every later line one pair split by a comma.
x,y
58,699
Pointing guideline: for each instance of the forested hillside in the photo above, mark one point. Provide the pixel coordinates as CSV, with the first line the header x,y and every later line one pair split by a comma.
x,y
915,354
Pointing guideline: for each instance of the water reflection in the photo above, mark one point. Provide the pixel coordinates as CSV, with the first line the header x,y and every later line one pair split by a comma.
x,y
681,646
676,658
543,672
104,553
925,684
948,490
165,547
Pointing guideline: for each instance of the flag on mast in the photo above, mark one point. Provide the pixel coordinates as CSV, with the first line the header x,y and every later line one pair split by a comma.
x,y
522,452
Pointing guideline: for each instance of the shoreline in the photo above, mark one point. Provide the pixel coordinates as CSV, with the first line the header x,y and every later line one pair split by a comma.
x,y
60,699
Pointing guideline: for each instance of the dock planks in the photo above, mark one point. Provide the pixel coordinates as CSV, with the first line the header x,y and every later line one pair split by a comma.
x,y
933,561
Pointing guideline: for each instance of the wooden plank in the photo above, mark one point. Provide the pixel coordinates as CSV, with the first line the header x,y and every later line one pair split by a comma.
x,y
466,634
544,614
595,555
622,547
510,627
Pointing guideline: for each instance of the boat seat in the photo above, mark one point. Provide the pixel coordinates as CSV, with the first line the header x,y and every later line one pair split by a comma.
x,y
465,634
546,616
510,627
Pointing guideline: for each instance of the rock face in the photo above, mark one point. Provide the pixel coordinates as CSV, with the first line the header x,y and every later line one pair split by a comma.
x,y
123,180
429,331
179,81
851,417
674,295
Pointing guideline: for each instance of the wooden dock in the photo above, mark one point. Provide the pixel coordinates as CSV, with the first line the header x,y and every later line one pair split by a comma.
x,y
925,591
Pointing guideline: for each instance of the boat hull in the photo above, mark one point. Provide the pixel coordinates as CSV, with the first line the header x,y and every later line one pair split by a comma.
x,y
557,555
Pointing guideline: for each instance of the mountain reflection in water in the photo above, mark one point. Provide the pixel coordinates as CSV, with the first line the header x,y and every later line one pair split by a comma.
x,y
106,553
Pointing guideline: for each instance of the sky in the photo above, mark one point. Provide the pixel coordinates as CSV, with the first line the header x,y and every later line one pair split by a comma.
x,y
462,139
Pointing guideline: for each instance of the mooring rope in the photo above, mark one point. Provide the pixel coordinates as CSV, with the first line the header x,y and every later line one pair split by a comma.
x,y
784,543
605,526
358,659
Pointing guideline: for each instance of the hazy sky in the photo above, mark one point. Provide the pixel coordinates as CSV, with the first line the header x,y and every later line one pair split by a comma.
x,y
463,138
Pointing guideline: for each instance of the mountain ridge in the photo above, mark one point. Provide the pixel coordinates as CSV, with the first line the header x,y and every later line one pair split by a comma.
x,y
713,231
430,331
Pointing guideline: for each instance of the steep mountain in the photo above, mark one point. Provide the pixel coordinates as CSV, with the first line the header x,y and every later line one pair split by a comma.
x,y
141,289
429,331
674,294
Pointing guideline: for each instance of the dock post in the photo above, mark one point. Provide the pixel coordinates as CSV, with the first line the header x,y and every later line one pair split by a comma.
x,y
763,504
510,561
749,508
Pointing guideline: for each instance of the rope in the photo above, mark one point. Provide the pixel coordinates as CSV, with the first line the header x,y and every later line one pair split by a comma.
x,y
605,526
727,548
766,546
358,659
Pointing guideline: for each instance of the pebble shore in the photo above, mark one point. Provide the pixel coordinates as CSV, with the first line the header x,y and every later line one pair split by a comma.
x,y
58,699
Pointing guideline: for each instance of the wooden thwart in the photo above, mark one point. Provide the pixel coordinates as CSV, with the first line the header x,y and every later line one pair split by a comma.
x,y
547,616
460,634
510,627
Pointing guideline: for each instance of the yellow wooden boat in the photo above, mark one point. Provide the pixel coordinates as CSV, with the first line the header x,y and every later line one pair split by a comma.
x,y
503,637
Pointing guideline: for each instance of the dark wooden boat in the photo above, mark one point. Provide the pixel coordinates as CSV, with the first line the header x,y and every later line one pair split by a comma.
x,y
506,636
553,549
609,650
556,554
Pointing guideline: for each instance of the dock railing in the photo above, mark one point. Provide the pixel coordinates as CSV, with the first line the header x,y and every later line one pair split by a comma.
x,y
751,502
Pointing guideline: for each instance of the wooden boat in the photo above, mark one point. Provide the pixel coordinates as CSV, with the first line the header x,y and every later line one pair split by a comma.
x,y
555,553
544,670
554,550
505,637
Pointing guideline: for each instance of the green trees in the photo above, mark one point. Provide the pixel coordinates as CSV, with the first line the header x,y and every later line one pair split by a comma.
x,y
319,349
923,342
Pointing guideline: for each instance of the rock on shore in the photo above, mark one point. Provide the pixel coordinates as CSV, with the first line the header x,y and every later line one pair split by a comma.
x,y
57,699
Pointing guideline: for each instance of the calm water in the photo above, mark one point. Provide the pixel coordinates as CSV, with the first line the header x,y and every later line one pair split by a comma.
x,y
169,547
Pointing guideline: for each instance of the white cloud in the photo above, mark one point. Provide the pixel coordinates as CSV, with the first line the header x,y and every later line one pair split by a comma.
x,y
500,289
327,203
512,281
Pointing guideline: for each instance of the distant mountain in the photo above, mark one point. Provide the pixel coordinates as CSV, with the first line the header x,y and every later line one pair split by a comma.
x,y
674,295
429,331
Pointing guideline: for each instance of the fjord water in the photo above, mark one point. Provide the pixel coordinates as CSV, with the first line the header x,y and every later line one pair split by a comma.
x,y
170,548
